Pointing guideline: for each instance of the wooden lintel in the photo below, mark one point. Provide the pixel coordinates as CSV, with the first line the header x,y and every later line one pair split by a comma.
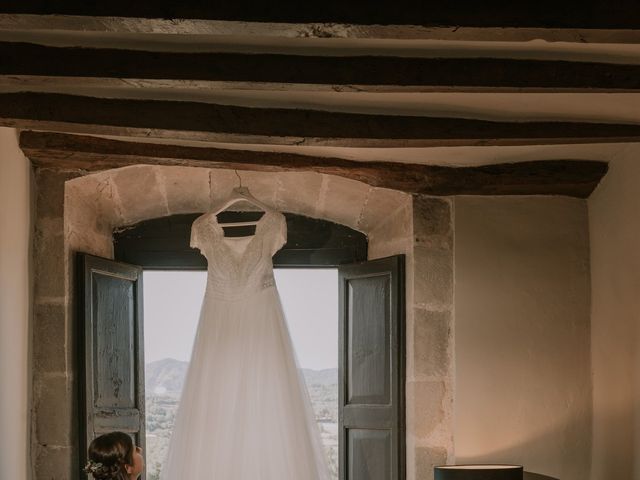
x,y
229,123
576,178
346,73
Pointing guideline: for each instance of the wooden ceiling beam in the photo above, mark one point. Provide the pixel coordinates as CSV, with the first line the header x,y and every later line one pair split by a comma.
x,y
11,22
229,123
315,73
574,178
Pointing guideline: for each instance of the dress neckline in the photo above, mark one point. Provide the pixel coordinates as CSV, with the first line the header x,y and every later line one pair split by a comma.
x,y
219,229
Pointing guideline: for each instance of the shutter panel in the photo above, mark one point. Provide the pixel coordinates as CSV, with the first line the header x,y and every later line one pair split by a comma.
x,y
371,388
111,357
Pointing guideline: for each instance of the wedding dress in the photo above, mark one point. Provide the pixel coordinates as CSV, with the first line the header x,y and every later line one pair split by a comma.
x,y
245,412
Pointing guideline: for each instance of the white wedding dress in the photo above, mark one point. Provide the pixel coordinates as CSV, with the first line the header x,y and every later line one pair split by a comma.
x,y
245,412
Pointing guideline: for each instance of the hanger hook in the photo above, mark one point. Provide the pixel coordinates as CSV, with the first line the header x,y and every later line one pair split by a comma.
x,y
239,178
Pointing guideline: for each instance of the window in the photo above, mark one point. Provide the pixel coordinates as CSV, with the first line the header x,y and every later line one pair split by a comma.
x,y
171,304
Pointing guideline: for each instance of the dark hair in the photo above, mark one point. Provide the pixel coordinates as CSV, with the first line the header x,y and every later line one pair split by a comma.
x,y
108,454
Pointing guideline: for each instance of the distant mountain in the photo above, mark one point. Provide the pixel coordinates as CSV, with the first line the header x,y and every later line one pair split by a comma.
x,y
164,381
166,376
327,376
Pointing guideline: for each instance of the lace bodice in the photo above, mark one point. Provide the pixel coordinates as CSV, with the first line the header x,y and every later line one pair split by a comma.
x,y
238,266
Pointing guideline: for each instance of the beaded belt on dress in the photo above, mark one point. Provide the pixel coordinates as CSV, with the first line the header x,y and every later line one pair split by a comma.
x,y
239,292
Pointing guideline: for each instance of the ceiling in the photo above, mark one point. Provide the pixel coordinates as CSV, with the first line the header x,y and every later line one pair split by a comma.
x,y
507,102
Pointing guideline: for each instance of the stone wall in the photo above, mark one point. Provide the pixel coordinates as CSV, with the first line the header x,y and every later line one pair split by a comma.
x,y
430,338
77,212
53,430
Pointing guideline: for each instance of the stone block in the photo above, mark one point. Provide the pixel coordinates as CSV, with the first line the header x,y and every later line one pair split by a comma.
x,y
262,185
52,405
342,200
299,193
56,463
432,343
187,188
48,244
49,340
89,241
381,204
50,191
80,211
433,277
140,193
380,247
428,408
396,225
426,458
221,183
431,215
432,222
442,242
90,202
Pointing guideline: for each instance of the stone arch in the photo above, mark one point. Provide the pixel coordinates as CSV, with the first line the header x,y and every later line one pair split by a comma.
x,y
96,204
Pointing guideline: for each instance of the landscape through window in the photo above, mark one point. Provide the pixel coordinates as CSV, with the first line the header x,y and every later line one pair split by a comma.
x,y
172,303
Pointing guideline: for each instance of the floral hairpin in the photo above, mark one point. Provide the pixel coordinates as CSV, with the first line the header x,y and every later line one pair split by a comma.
x,y
93,467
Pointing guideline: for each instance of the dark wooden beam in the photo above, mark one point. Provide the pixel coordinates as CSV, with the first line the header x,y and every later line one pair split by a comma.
x,y
367,73
561,177
228,123
464,13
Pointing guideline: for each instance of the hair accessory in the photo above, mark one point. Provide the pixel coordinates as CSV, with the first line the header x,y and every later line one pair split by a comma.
x,y
93,467
100,470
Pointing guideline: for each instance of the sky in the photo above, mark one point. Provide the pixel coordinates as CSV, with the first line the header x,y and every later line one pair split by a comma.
x,y
172,303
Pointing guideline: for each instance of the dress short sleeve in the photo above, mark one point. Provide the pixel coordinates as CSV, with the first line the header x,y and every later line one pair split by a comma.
x,y
280,237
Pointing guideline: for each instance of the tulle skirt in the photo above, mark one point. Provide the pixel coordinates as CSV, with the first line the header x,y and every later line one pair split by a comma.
x,y
245,412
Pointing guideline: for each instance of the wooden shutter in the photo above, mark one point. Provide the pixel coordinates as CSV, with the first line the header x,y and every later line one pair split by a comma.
x,y
371,388
110,349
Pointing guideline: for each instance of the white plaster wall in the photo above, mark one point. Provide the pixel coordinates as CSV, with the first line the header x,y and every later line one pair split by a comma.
x,y
522,338
614,217
15,228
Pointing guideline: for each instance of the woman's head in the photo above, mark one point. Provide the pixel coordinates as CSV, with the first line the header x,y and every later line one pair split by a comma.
x,y
113,456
